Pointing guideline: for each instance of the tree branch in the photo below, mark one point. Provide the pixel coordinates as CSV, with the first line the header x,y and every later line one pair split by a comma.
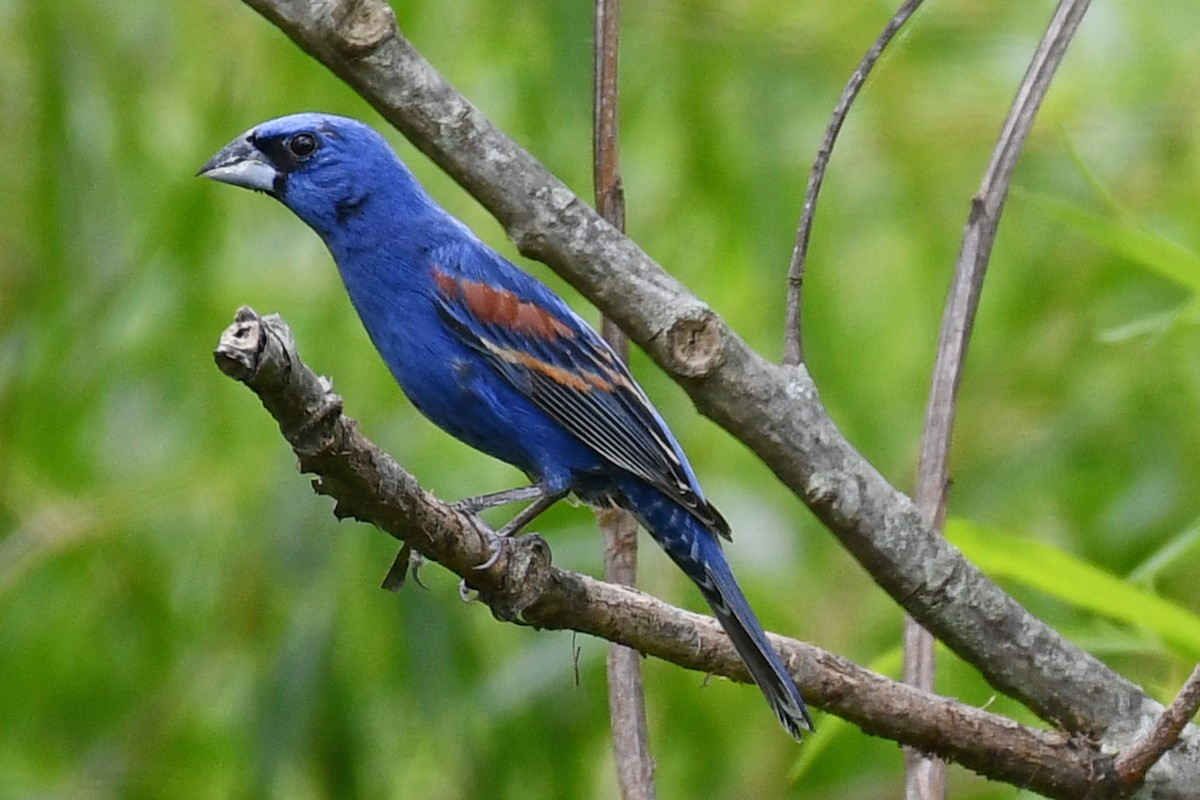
x,y
618,528
793,351
773,409
978,238
958,320
1134,762
523,586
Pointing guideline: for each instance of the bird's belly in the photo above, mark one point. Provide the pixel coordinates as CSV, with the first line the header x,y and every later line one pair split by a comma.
x,y
469,400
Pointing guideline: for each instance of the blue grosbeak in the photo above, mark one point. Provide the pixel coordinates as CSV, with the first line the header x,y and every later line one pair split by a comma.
x,y
495,358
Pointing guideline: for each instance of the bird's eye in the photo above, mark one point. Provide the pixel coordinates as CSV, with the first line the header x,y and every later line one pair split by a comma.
x,y
302,145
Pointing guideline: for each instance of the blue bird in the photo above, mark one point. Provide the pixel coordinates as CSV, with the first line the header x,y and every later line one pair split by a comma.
x,y
496,359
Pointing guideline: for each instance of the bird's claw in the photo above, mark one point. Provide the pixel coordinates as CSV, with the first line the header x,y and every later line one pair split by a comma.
x,y
497,550
466,593
416,561
496,540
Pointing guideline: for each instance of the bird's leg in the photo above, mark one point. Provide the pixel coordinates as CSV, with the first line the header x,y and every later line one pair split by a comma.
x,y
541,496
543,499
541,502
473,505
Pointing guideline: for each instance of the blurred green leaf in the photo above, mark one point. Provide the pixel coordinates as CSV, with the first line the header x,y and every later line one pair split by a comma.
x,y
1139,244
1065,577
1179,549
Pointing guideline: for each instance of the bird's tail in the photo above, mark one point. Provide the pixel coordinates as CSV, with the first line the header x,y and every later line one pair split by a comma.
x,y
697,551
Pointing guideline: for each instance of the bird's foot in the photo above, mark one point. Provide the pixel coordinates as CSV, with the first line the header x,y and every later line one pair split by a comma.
x,y
497,543
398,573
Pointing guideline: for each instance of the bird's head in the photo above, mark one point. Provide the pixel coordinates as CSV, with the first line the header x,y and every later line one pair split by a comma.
x,y
323,167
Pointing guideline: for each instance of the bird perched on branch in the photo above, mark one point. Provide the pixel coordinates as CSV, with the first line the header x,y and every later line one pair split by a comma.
x,y
495,358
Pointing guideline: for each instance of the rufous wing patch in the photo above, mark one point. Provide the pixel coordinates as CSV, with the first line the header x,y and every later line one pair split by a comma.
x,y
446,284
493,306
580,381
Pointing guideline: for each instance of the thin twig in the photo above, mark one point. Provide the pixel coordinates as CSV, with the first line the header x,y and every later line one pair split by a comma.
x,y
978,238
957,322
793,352
924,775
1135,761
618,528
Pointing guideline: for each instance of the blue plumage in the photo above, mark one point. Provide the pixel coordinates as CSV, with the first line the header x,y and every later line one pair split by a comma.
x,y
495,358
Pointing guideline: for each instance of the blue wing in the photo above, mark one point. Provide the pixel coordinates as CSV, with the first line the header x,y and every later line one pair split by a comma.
x,y
555,359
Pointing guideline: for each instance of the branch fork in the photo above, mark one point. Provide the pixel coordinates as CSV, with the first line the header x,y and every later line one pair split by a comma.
x,y
775,411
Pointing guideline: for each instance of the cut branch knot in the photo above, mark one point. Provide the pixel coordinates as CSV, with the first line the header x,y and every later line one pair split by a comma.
x,y
239,352
362,26
696,343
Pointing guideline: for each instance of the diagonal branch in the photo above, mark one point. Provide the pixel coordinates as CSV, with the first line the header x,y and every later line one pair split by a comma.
x,y
773,410
1134,762
523,586
926,776
978,238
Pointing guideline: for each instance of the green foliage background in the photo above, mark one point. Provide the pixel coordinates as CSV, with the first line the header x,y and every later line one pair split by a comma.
x,y
181,617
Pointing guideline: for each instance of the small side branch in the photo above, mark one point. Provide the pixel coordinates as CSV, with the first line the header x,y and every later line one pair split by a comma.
x,y
793,352
1135,761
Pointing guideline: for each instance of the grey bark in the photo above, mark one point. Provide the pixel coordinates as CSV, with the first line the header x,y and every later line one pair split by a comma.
x,y
775,410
